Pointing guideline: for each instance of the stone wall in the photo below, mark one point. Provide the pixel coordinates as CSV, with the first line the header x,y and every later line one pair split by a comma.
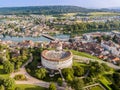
x,y
55,64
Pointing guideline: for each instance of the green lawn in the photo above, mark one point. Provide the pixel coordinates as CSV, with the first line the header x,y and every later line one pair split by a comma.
x,y
2,74
84,54
105,82
30,87
79,64
96,88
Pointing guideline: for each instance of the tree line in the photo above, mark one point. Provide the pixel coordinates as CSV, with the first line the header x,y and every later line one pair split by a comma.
x,y
91,26
46,10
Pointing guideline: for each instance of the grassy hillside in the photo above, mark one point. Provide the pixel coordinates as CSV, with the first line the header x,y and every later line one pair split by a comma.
x,y
30,87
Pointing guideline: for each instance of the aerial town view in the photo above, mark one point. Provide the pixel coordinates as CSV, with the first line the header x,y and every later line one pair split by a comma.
x,y
59,45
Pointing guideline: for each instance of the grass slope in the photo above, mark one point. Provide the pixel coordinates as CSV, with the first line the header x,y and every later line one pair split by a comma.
x,y
30,87
84,54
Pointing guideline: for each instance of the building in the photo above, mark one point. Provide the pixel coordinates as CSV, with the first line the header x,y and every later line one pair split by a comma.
x,y
56,59
111,47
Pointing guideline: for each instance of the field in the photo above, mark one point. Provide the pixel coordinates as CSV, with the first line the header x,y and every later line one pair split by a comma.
x,y
69,14
30,87
103,14
91,14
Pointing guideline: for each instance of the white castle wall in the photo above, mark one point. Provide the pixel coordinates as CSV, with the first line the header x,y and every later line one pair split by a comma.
x,y
56,65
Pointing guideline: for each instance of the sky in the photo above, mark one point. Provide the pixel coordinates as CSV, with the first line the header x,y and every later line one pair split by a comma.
x,y
82,3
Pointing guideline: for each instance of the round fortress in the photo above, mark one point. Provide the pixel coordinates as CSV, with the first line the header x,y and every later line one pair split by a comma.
x,y
56,59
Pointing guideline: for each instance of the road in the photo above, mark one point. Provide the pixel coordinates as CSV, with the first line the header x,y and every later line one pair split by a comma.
x,y
100,61
30,79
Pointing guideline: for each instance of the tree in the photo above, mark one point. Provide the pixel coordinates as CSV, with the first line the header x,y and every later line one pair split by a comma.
x,y
96,68
8,67
116,78
2,87
106,37
98,39
106,67
88,80
99,69
1,58
68,71
77,84
78,71
69,78
114,87
9,83
40,73
1,80
114,39
18,65
52,86
60,81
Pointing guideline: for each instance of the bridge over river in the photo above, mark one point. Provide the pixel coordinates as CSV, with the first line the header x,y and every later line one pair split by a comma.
x,y
53,38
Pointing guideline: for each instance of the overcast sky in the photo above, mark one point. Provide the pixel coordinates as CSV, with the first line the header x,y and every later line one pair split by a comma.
x,y
82,3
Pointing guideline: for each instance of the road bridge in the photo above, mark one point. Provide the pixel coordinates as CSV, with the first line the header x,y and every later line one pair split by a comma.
x,y
53,38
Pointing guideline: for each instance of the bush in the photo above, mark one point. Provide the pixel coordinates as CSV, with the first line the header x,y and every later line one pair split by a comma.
x,y
9,83
2,87
20,77
40,73
17,88
8,67
88,80
52,86
28,70
114,87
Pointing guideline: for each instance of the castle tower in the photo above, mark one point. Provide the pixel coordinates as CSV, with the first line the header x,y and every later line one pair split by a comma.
x,y
59,46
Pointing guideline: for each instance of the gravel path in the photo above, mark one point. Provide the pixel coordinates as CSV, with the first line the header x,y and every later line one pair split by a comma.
x,y
31,80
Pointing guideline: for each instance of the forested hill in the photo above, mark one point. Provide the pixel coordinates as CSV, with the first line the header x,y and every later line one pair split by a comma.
x,y
47,10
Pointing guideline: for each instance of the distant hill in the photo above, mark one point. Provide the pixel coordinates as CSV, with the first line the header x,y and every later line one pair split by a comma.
x,y
47,10
114,9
